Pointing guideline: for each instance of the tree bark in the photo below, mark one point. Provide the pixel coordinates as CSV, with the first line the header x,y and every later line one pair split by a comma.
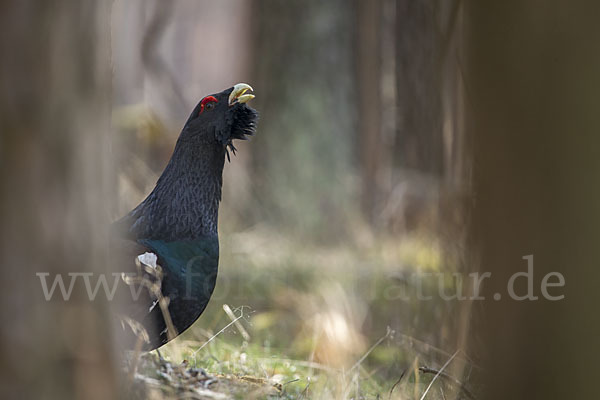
x,y
532,84
55,122
419,141
368,63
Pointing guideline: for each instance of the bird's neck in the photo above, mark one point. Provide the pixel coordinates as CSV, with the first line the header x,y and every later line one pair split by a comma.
x,y
185,202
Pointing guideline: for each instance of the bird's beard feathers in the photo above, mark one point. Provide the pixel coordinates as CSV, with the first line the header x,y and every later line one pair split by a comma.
x,y
244,126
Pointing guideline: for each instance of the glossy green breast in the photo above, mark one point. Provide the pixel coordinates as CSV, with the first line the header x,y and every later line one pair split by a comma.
x,y
189,266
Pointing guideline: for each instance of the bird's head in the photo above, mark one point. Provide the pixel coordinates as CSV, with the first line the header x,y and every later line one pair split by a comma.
x,y
221,117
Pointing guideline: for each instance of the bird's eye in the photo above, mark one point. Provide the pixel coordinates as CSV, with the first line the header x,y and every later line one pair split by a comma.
x,y
208,103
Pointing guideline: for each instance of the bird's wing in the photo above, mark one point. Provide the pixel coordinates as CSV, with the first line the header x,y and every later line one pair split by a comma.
x,y
139,290
189,269
182,273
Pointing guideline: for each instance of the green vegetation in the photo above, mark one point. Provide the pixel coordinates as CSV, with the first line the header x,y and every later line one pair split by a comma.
x,y
308,322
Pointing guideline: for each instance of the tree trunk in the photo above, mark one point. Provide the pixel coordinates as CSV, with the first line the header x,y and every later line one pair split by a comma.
x,y
532,84
306,97
419,143
368,63
55,106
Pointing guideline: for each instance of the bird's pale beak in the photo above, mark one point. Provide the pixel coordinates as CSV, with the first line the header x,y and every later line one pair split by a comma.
x,y
238,95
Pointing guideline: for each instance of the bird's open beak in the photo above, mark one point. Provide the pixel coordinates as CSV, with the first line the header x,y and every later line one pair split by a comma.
x,y
237,94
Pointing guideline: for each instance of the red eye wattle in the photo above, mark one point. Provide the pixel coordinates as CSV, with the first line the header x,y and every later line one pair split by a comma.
x,y
207,100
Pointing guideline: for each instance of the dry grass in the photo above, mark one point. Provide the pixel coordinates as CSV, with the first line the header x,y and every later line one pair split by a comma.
x,y
316,323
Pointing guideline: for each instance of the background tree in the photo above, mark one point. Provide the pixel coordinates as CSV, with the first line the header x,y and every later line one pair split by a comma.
x,y
303,156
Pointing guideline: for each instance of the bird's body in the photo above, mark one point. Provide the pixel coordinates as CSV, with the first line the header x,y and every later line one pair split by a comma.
x,y
173,232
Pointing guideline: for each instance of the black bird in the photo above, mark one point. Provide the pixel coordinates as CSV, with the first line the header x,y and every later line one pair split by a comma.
x,y
170,241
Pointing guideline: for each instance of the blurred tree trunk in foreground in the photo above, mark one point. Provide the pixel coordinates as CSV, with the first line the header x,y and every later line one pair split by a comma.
x,y
55,121
532,88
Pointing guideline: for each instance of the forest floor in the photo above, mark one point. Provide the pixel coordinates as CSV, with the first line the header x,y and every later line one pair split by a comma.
x,y
291,322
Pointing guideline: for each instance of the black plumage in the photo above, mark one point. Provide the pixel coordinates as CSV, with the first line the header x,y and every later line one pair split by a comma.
x,y
177,222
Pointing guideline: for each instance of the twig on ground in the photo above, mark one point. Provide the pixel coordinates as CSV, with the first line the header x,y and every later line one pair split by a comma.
x,y
389,333
217,334
397,382
292,381
439,372
135,359
238,324
450,378
305,391
426,346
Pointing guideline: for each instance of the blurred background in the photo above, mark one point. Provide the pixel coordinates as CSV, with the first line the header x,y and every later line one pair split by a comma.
x,y
399,141
352,184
